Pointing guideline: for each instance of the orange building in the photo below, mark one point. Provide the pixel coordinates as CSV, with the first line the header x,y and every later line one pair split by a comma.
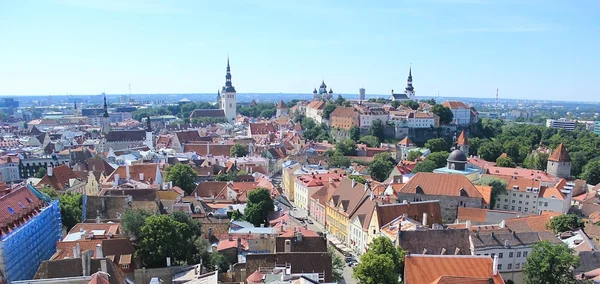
x,y
344,118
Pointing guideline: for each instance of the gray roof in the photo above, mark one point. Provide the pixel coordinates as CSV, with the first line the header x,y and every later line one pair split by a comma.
x,y
457,156
400,96
481,240
436,240
589,260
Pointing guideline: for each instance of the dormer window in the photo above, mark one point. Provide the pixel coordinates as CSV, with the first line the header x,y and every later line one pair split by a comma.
x,y
419,190
463,192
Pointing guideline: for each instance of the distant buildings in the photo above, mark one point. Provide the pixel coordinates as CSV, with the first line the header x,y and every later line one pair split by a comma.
x,y
597,127
560,124
344,118
461,112
361,94
322,94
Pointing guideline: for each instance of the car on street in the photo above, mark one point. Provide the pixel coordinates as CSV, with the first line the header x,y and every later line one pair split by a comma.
x,y
350,259
309,221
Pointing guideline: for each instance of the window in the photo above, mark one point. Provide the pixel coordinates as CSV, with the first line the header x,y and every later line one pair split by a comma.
x,y
513,201
545,204
517,266
124,266
510,254
520,202
499,266
505,200
509,266
527,203
520,195
493,254
512,208
500,255
526,209
505,207
524,254
518,254
514,194
519,209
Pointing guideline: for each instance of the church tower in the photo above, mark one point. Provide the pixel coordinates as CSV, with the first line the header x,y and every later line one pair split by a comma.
x,y
105,120
410,90
228,97
149,141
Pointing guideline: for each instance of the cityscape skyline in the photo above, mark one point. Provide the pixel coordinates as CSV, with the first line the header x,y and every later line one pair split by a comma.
x,y
181,47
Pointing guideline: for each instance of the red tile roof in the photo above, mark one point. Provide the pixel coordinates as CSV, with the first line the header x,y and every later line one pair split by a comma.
x,y
521,173
440,184
406,142
262,128
281,105
17,205
560,154
148,170
59,179
423,269
205,149
455,105
316,104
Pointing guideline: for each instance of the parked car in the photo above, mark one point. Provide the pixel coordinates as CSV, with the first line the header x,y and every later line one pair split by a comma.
x,y
352,263
309,221
350,259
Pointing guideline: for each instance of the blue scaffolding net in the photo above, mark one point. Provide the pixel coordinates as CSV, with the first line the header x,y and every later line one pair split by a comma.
x,y
33,242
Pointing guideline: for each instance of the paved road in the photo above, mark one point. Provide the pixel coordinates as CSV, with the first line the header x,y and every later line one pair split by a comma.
x,y
318,228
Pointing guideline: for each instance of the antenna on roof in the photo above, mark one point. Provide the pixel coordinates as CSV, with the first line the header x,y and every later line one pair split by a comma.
x,y
496,97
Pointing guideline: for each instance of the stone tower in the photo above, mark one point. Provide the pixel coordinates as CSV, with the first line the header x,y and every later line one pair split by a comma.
x,y
228,97
559,163
462,143
105,117
409,90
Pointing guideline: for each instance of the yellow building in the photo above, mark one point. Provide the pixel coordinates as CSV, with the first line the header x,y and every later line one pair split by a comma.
x,y
288,179
92,186
343,203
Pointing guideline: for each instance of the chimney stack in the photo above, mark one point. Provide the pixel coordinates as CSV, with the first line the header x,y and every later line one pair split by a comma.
x,y
299,236
116,181
495,263
468,225
288,246
168,262
103,266
50,170
424,219
353,183
127,171
502,224
86,263
239,245
171,185
99,251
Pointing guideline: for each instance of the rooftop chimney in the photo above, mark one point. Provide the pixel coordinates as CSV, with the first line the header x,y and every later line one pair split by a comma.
x,y
288,246
116,181
468,225
127,171
170,184
86,263
99,251
502,224
103,266
50,170
299,236
495,268
424,219
353,183
239,245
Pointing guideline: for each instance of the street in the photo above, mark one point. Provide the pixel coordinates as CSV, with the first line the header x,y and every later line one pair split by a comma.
x,y
318,228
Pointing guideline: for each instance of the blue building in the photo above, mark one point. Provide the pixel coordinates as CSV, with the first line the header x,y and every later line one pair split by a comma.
x,y
597,127
30,226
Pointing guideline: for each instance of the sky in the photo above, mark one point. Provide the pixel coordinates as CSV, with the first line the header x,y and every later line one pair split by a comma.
x,y
527,49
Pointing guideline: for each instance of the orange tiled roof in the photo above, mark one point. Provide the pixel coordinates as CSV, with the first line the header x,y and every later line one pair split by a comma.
x,y
472,214
440,184
560,154
420,269
486,192
455,105
316,104
462,139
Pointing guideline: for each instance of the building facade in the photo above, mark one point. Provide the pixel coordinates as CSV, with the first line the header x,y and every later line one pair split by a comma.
x,y
460,111
344,118
560,124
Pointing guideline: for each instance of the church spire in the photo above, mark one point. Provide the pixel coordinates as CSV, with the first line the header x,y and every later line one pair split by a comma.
x,y
148,125
105,106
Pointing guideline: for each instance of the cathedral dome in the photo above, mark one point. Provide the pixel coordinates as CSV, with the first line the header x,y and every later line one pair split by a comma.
x,y
457,156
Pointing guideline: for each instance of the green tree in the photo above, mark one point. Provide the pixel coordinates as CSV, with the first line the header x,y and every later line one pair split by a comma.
x,y
474,144
439,158
292,103
383,263
267,113
591,172
516,150
490,150
238,150
258,206
537,161
437,145
219,261
413,155
49,191
505,162
133,220
41,173
377,129
355,133
426,166
443,112
346,148
370,140
358,179
70,208
337,265
329,108
566,222
183,176
381,167
338,160
161,237
549,263
498,187
410,104
395,104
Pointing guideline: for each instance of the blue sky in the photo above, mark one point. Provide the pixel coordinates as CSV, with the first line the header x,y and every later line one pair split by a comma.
x,y
529,49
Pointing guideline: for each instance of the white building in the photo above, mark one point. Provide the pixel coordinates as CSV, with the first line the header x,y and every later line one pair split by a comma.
x,y
511,248
9,168
409,91
314,110
228,97
530,196
420,120
560,124
369,114
461,112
